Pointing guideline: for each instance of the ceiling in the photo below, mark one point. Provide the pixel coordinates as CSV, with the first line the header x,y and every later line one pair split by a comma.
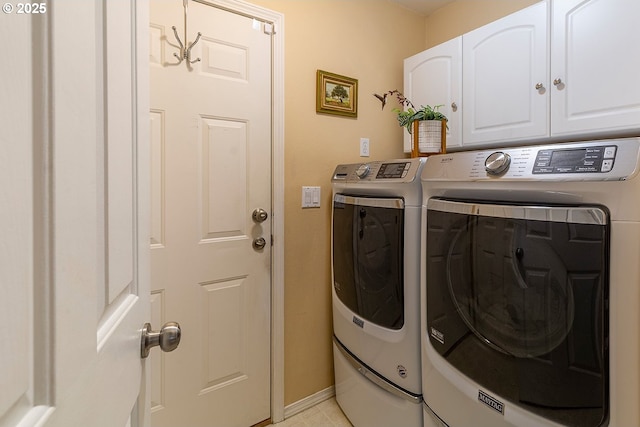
x,y
424,7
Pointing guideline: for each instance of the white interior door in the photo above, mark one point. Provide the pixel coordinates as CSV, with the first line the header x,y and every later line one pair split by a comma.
x,y
211,168
74,254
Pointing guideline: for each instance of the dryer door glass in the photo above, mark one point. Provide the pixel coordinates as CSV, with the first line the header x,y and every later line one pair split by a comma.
x,y
517,301
368,237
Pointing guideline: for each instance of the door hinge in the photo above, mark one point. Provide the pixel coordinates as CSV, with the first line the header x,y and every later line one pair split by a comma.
x,y
269,28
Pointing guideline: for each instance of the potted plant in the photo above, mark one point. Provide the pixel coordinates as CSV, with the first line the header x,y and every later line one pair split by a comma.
x,y
426,124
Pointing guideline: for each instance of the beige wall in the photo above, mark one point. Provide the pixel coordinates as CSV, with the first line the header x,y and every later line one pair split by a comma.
x,y
463,16
366,40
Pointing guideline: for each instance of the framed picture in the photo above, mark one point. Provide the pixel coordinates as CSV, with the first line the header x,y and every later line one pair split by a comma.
x,y
336,94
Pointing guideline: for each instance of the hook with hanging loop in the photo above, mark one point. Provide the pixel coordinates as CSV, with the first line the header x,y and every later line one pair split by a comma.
x,y
185,54
185,49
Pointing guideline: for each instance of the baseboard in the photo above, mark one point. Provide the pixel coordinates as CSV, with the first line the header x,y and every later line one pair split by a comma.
x,y
309,401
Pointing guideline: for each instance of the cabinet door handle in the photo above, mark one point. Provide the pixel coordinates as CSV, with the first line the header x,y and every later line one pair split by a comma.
x,y
539,86
557,82
454,107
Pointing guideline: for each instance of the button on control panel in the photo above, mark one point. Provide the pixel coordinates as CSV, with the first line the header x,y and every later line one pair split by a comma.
x,y
599,159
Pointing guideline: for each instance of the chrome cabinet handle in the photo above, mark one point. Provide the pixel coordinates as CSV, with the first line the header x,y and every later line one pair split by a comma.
x,y
259,243
260,215
167,338
557,82
454,107
539,86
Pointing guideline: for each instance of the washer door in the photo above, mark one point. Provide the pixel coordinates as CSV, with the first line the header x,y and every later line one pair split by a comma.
x,y
367,242
516,300
520,300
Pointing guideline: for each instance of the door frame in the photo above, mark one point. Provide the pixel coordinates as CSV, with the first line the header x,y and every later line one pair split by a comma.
x,y
276,19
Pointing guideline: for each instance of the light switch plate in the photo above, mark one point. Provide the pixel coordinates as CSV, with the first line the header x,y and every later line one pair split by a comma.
x,y
310,197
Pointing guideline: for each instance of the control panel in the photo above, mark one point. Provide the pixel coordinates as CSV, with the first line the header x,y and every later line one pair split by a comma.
x,y
602,160
404,170
576,160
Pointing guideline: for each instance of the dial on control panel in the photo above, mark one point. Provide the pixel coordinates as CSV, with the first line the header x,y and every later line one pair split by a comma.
x,y
497,163
363,170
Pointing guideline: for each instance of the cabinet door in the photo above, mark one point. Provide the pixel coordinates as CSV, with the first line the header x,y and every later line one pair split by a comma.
x,y
434,77
503,63
596,64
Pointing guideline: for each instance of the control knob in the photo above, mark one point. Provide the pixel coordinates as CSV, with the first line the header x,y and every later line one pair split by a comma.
x,y
497,163
363,170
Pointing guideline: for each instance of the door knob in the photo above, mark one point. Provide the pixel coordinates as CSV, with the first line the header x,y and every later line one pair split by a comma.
x,y
259,243
260,215
167,338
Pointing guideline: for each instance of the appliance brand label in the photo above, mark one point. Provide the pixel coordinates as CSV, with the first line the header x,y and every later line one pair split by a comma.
x,y
402,371
492,403
358,322
437,335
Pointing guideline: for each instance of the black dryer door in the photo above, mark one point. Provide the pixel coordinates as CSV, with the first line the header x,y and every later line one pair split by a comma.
x,y
367,240
517,301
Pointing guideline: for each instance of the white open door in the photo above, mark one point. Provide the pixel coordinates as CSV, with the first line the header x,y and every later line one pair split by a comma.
x,y
211,145
74,194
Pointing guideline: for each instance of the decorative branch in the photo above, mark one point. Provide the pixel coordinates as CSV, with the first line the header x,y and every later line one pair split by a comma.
x,y
411,114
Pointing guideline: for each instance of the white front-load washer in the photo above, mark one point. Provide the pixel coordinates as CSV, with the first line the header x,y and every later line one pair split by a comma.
x,y
375,293
530,280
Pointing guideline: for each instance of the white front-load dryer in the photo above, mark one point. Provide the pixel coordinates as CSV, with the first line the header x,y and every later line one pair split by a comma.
x,y
375,292
531,286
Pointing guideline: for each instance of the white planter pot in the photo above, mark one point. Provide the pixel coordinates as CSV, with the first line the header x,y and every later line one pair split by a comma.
x,y
429,134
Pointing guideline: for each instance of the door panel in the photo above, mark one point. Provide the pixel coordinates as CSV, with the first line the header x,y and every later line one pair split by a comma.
x,y
100,213
79,273
590,55
504,61
434,77
119,155
17,261
224,160
212,168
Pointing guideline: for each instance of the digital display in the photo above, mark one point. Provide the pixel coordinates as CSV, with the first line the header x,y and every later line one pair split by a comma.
x,y
567,157
392,170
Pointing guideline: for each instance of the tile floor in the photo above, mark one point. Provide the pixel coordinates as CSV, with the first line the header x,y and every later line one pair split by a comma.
x,y
324,414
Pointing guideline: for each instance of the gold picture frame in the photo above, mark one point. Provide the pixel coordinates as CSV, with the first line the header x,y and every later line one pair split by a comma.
x,y
336,94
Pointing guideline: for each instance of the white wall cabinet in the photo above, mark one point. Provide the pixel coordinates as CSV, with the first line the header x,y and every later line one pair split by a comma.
x,y
434,77
505,70
557,70
595,61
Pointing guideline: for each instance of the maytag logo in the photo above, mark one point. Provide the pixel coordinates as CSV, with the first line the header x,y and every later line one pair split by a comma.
x,y
492,403
358,322
446,159
437,335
